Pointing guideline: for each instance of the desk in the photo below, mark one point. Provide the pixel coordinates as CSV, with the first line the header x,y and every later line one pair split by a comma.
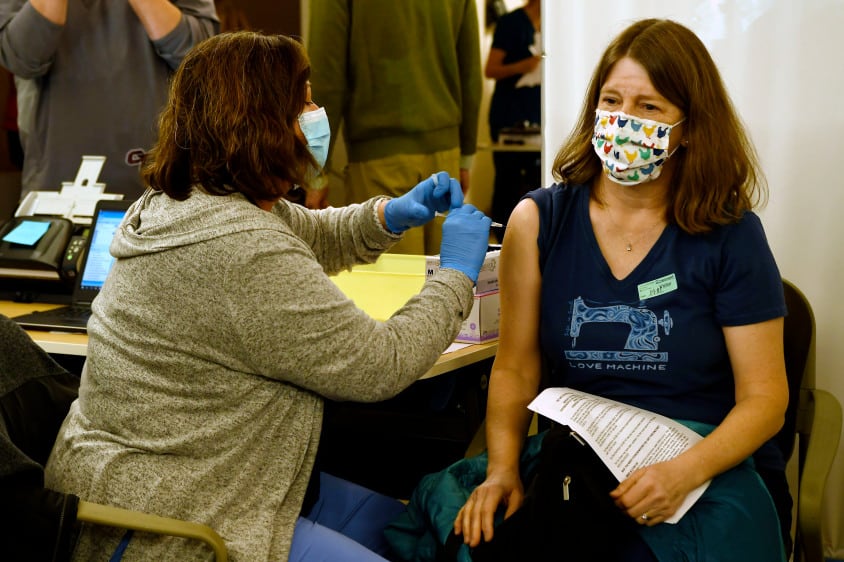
x,y
385,446
52,342
77,344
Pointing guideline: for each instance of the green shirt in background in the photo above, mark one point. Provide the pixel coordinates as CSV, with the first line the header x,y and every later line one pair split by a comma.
x,y
402,77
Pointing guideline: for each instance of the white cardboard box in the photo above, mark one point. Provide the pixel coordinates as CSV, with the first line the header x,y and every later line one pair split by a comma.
x,y
487,277
482,323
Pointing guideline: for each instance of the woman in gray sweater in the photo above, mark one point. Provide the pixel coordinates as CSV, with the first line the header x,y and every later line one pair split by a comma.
x,y
218,332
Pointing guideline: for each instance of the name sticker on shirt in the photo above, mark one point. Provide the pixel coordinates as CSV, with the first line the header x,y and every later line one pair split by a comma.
x,y
657,287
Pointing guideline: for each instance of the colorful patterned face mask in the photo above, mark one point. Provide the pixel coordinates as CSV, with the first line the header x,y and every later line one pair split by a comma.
x,y
632,150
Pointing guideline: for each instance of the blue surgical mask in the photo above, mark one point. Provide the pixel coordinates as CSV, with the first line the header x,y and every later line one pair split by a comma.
x,y
314,125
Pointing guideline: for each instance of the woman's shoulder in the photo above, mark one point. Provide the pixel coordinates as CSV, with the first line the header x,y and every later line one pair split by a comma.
x,y
748,226
556,196
556,205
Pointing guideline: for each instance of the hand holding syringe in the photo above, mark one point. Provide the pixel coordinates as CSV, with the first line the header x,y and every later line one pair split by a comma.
x,y
493,224
439,214
432,196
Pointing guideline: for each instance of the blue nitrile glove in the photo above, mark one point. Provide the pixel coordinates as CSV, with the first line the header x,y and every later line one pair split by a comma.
x,y
465,241
438,193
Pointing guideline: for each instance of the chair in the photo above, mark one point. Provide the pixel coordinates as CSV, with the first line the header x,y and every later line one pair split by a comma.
x,y
812,421
37,523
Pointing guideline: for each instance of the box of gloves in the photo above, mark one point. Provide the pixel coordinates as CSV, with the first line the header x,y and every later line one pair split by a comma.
x,y
482,323
487,277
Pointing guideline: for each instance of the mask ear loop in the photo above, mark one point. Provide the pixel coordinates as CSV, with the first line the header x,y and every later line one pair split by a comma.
x,y
683,142
670,154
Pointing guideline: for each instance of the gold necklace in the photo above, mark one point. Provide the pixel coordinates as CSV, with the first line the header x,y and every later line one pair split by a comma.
x,y
628,244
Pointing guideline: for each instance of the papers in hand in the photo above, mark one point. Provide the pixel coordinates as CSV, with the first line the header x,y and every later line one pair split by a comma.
x,y
626,438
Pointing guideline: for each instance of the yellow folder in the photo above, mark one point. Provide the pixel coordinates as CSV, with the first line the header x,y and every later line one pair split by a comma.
x,y
381,288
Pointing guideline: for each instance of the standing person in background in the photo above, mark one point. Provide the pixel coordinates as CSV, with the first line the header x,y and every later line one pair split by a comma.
x,y
404,79
92,78
513,63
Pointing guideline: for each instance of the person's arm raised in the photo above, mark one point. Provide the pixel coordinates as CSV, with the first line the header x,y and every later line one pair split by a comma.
x,y
159,17
53,10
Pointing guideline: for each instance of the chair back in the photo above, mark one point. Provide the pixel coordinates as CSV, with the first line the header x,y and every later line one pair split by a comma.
x,y
813,419
799,348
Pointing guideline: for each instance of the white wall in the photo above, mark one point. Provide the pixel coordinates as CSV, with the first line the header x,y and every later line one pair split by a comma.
x,y
780,60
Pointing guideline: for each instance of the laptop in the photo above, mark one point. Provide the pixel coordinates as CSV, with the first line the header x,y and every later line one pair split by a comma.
x,y
95,266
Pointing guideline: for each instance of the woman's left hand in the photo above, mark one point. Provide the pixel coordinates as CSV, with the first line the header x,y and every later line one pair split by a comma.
x,y
438,193
654,493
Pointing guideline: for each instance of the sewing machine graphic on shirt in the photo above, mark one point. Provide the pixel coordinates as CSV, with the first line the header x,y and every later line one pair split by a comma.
x,y
642,341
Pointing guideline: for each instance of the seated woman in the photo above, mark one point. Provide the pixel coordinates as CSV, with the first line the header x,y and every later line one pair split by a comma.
x,y
218,333
653,212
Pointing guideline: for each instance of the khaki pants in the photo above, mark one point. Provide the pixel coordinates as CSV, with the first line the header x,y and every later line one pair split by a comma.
x,y
395,176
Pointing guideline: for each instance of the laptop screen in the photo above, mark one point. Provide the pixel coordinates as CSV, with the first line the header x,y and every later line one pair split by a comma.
x,y
99,261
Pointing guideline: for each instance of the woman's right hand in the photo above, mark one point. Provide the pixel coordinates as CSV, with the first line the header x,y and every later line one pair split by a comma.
x,y
475,520
465,240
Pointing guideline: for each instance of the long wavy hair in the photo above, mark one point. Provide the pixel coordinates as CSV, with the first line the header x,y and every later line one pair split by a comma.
x,y
717,176
229,123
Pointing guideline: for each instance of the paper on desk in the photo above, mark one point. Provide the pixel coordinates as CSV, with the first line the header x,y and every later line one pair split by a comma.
x,y
626,438
455,346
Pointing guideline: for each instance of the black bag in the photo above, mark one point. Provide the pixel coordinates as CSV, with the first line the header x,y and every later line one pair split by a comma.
x,y
567,513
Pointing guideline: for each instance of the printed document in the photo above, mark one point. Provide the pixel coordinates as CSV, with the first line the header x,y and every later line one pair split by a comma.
x,y
626,438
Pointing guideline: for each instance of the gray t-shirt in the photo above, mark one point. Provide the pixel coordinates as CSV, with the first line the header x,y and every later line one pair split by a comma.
x,y
94,86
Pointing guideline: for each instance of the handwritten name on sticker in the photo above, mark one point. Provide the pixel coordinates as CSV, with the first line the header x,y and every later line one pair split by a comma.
x,y
657,287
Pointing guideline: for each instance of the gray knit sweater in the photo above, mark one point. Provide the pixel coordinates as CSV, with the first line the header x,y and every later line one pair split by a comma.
x,y
213,341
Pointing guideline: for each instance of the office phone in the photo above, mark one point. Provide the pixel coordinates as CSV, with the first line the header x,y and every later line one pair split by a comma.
x,y
40,247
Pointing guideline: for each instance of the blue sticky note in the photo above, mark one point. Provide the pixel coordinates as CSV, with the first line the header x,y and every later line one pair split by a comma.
x,y
27,233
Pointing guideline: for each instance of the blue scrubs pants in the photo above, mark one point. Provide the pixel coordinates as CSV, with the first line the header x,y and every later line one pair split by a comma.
x,y
346,523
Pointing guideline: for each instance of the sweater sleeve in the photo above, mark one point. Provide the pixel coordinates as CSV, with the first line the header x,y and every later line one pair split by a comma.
x,y
339,237
199,21
28,40
290,322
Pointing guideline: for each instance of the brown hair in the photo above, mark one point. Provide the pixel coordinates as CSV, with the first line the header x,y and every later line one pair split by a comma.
x,y
229,123
717,177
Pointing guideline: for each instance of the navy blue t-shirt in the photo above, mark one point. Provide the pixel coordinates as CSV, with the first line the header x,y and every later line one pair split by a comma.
x,y
654,339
